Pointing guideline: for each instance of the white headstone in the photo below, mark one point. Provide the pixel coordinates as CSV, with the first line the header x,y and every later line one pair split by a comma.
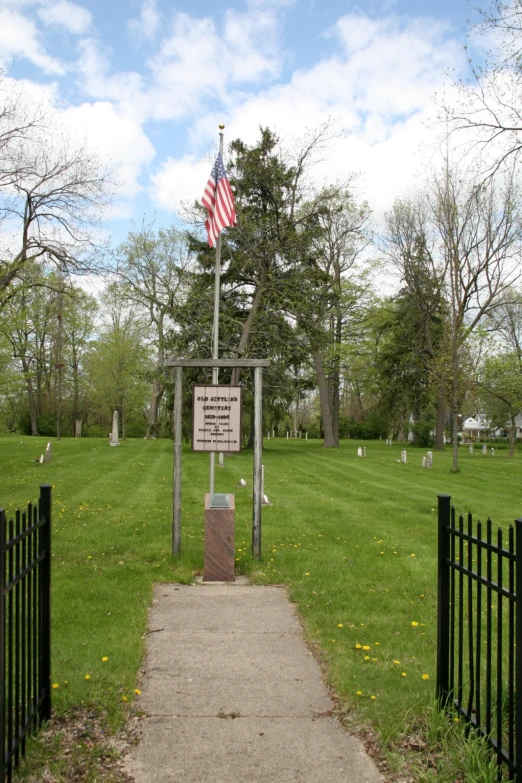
x,y
430,459
404,457
48,453
299,433
221,460
492,452
265,501
359,452
242,483
78,428
424,462
287,434
471,448
484,448
114,434
273,433
268,434
306,436
42,459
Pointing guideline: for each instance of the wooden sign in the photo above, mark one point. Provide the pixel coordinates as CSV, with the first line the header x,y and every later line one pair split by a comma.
x,y
216,418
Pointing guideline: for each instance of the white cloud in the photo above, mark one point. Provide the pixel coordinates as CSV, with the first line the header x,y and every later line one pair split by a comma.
x,y
71,16
116,137
148,23
378,85
19,38
180,180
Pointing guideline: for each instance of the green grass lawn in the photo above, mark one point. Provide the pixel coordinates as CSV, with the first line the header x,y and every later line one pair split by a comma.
x,y
354,539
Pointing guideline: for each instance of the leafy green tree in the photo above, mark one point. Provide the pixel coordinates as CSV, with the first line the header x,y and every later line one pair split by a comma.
x,y
501,391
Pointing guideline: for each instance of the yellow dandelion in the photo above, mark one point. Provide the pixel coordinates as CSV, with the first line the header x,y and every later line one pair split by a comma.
x,y
397,662
373,698
105,658
366,647
414,624
87,676
124,698
137,691
55,685
403,674
357,646
340,625
425,676
366,657
359,693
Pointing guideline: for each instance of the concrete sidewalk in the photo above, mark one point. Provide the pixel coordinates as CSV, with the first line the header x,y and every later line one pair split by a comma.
x,y
233,695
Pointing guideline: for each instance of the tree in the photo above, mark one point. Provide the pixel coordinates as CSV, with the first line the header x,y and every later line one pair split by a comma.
x,y
154,270
487,113
119,365
478,229
333,312
53,193
501,391
415,325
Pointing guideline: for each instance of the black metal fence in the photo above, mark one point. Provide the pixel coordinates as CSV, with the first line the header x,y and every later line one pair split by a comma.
x,y
25,627
479,639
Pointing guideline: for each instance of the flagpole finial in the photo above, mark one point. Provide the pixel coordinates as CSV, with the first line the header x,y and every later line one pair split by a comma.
x,y
221,126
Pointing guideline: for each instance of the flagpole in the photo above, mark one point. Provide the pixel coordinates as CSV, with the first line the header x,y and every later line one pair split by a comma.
x,y
215,330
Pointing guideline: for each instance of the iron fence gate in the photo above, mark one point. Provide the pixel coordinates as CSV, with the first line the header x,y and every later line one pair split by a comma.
x,y
479,668
25,627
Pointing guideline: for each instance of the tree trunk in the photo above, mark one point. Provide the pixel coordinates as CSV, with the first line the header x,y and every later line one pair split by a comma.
x,y
455,438
326,413
512,436
336,376
31,397
122,422
439,421
156,395
247,327
158,387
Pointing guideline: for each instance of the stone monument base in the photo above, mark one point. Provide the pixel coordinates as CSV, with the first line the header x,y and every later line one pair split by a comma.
x,y
219,542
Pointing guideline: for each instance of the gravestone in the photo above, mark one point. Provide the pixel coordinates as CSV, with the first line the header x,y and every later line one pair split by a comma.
x,y
273,433
306,436
242,483
268,434
48,454
471,448
359,452
492,452
287,434
484,448
299,433
78,428
114,439
42,459
424,462
404,457
429,458
221,461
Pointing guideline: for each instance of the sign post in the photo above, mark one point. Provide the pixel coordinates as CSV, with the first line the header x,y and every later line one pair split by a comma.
x,y
216,435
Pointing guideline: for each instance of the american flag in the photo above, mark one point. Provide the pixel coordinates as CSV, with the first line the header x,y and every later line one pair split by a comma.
x,y
218,199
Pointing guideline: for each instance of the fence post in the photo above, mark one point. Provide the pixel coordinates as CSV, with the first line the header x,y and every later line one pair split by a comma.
x,y
2,642
44,615
443,611
518,651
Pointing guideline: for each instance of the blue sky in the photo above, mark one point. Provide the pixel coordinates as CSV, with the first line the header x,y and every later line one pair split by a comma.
x,y
148,81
